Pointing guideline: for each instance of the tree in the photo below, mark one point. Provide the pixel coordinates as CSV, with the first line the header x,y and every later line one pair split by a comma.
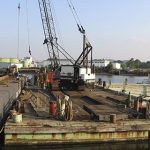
x,y
123,66
131,64
137,63
109,68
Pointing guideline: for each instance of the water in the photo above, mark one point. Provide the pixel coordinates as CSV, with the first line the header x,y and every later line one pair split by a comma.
x,y
112,78
121,79
106,146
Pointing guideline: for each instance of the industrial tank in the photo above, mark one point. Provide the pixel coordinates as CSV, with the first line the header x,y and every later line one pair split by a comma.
x,y
26,63
14,60
5,60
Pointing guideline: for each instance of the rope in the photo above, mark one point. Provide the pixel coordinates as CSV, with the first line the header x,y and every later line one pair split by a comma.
x,y
68,116
64,110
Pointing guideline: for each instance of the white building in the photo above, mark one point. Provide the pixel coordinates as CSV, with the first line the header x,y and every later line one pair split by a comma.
x,y
100,62
97,62
47,62
116,65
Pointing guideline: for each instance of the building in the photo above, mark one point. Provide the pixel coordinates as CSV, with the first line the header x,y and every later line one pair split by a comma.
x,y
47,62
100,62
116,65
97,62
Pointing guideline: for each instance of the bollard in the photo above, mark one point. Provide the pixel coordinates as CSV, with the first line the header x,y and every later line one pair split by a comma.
x,y
22,110
104,84
136,104
129,100
148,111
113,118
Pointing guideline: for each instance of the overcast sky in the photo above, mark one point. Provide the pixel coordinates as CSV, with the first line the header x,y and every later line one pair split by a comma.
x,y
117,29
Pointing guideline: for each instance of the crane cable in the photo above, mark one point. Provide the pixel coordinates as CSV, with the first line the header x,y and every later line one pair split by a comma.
x,y
28,30
77,20
74,13
18,45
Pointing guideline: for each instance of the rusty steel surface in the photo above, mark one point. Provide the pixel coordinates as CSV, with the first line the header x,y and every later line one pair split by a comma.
x,y
73,138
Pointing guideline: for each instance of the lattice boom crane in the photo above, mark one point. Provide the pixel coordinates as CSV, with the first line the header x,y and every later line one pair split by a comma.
x,y
49,32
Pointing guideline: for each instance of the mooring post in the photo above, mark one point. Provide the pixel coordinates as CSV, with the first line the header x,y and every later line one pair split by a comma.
x,y
147,115
136,104
129,100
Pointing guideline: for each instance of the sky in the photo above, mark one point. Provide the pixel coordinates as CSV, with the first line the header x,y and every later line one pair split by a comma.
x,y
117,29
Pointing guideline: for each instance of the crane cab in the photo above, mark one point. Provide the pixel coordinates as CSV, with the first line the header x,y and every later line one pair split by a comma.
x,y
74,77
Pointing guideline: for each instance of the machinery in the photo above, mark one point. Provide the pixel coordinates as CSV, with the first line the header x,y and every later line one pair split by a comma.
x,y
69,76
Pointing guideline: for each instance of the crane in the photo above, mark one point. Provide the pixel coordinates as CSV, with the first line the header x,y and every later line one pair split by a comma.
x,y
76,75
50,35
82,60
69,75
49,32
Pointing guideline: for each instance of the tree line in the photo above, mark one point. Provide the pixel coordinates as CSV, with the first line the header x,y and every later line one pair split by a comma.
x,y
131,64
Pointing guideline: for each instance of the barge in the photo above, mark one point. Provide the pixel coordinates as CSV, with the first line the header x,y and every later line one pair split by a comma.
x,y
99,115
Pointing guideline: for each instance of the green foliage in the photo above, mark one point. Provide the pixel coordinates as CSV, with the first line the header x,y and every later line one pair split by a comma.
x,y
123,66
109,68
133,64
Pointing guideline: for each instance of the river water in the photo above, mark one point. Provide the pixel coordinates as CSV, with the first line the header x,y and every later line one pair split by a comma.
x,y
106,146
113,78
121,78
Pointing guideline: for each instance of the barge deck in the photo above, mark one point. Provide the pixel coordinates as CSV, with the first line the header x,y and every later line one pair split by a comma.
x,y
92,110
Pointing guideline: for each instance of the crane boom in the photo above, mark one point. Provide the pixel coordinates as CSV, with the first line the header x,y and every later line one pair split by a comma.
x,y
49,32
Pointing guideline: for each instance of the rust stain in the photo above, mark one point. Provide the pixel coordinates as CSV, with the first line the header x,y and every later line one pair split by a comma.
x,y
63,136
14,136
53,135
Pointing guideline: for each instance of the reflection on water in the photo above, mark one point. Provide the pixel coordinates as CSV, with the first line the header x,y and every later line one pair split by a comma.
x,y
106,146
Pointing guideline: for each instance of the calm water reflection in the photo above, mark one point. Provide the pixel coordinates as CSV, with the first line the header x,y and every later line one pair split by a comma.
x,y
106,146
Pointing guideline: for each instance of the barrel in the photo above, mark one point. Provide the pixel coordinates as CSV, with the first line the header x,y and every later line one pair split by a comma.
x,y
113,118
17,118
53,108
